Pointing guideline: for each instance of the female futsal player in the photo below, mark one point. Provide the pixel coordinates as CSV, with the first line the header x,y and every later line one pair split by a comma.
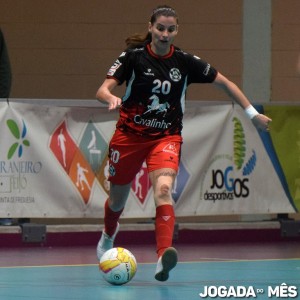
x,y
157,75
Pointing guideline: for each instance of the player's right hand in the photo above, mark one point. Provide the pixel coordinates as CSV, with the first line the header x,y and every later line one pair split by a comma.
x,y
114,103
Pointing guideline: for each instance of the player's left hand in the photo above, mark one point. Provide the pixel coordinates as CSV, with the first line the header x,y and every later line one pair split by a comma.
x,y
262,122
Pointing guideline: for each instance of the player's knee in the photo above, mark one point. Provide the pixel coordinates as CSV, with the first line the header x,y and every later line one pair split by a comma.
x,y
164,193
165,189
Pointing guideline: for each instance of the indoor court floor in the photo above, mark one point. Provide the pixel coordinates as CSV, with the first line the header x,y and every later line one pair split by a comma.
x,y
252,270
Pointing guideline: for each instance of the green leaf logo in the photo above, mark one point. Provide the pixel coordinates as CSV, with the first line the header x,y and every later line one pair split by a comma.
x,y
20,137
239,144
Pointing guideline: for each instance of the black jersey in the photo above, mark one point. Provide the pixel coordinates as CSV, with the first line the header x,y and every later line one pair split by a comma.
x,y
156,86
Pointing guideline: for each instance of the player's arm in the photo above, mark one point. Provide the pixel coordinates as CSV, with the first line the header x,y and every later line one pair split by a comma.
x,y
232,90
104,94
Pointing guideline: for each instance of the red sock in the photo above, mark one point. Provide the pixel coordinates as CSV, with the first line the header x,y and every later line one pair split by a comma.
x,y
164,227
111,219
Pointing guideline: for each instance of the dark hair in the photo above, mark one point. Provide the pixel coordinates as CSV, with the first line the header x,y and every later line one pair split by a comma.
x,y
137,39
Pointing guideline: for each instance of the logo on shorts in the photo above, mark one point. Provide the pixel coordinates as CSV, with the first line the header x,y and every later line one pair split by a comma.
x,y
112,170
171,148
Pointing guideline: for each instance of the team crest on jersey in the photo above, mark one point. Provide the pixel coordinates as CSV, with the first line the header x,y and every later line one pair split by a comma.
x,y
175,74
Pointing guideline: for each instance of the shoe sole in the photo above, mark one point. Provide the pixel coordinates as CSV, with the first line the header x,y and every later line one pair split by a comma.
x,y
169,261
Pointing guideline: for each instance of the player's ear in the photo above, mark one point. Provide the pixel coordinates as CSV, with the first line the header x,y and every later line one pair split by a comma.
x,y
149,27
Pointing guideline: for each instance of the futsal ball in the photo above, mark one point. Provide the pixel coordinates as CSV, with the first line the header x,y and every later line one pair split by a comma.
x,y
118,265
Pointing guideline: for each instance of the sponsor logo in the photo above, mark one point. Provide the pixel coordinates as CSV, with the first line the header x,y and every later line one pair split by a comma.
x,y
155,123
171,148
139,49
206,71
114,68
149,73
16,172
227,177
157,106
20,136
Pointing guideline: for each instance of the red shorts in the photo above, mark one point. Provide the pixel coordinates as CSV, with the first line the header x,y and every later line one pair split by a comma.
x,y
128,151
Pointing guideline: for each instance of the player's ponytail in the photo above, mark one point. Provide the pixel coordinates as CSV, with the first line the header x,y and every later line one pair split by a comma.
x,y
137,39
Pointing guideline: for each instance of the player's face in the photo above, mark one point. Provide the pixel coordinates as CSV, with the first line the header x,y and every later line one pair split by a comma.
x,y
163,33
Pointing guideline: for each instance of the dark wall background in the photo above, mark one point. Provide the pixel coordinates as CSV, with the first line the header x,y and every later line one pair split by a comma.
x,y
62,49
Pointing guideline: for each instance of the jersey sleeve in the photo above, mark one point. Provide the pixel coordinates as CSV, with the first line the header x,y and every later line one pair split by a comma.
x,y
120,68
200,71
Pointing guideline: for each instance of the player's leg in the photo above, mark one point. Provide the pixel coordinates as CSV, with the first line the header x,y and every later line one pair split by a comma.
x,y
113,209
125,160
163,162
162,181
